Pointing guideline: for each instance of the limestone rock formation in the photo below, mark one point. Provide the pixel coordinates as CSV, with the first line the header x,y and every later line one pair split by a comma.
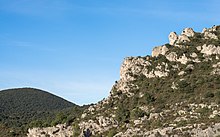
x,y
189,32
61,130
209,33
159,50
175,92
173,37
210,49
184,37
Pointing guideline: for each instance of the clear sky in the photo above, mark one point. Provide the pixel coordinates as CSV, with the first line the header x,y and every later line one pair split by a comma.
x,y
74,48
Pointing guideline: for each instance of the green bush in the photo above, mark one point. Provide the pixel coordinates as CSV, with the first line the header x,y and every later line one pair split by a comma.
x,y
209,95
111,133
36,123
136,113
60,118
185,86
122,114
204,111
146,99
76,130
217,94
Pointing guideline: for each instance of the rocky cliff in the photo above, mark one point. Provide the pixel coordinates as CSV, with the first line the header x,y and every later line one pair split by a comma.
x,y
175,92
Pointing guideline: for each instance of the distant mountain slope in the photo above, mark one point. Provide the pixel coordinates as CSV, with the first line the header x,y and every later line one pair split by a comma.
x,y
26,107
20,100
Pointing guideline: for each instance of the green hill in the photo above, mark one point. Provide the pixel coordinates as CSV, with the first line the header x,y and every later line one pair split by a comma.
x,y
15,101
27,107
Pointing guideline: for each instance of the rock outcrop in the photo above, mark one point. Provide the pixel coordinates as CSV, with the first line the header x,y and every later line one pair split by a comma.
x,y
209,33
161,50
210,49
61,130
174,92
189,32
173,37
194,131
175,40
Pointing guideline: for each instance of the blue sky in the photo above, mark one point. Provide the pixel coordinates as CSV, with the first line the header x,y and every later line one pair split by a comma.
x,y
74,48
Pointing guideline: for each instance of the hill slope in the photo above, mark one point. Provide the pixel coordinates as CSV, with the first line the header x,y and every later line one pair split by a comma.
x,y
174,92
14,101
24,107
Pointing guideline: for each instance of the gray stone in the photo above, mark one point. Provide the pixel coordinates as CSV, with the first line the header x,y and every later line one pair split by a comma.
x,y
182,39
61,130
189,32
173,37
210,35
159,50
210,49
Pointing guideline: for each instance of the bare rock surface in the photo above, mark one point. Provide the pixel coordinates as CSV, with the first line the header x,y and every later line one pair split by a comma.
x,y
61,130
159,50
173,37
189,32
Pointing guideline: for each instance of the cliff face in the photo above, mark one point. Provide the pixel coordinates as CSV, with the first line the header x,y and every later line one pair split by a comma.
x,y
174,92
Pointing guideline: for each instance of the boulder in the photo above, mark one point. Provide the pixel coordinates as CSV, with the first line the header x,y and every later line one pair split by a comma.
x,y
183,38
61,130
159,50
210,49
172,56
173,37
189,32
213,29
210,35
183,59
133,66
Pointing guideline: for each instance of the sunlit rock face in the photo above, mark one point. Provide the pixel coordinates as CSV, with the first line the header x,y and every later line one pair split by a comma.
x,y
189,32
173,37
159,50
61,130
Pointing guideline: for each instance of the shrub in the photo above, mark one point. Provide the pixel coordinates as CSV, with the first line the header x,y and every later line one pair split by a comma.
x,y
136,113
185,86
60,118
111,133
36,123
209,95
76,130
217,94
148,98
122,114
204,111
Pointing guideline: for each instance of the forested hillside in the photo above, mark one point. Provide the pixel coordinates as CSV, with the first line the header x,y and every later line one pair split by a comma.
x,y
27,107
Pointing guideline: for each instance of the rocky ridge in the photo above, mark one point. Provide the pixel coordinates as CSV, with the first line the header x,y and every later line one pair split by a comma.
x,y
175,92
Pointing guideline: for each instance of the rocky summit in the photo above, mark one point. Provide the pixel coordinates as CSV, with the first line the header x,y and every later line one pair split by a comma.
x,y
173,93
